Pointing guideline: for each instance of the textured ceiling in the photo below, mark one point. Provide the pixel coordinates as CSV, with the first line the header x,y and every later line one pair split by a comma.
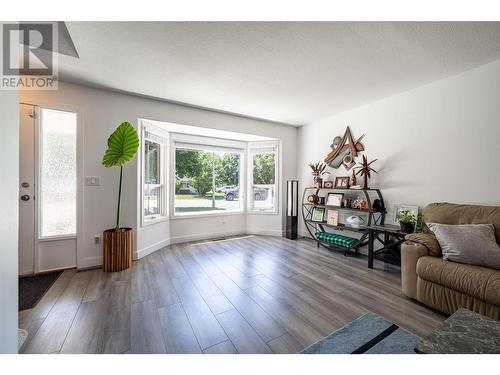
x,y
291,72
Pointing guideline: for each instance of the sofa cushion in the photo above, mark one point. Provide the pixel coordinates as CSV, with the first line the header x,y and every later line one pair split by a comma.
x,y
468,243
450,213
480,282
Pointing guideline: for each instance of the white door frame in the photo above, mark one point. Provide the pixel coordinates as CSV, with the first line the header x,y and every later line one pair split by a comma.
x,y
37,103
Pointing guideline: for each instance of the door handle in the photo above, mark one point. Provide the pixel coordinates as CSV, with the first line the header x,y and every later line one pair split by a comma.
x,y
25,197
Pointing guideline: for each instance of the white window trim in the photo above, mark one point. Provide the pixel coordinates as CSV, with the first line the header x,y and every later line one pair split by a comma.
x,y
209,144
258,147
164,169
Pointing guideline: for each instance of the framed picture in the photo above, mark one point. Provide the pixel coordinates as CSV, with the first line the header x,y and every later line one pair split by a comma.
x,y
403,207
342,182
332,217
318,214
328,184
334,199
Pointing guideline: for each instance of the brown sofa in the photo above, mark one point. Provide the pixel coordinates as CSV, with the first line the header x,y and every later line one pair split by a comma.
x,y
444,285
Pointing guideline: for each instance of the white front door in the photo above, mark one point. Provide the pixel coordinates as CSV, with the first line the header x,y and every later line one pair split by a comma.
x,y
47,189
27,189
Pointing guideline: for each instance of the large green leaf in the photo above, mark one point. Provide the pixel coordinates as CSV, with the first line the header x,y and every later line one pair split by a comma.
x,y
122,146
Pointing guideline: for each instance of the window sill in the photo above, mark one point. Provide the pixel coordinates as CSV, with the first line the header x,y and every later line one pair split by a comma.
x,y
148,222
207,215
263,212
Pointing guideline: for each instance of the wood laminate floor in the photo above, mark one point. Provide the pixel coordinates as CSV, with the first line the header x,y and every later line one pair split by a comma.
x,y
253,294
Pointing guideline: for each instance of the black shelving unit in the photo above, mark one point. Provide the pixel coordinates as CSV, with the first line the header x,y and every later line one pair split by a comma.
x,y
372,217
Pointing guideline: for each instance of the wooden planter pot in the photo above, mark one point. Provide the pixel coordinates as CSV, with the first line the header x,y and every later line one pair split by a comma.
x,y
117,249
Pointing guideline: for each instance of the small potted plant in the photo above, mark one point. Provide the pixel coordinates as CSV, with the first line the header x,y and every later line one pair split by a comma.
x,y
318,170
117,242
407,221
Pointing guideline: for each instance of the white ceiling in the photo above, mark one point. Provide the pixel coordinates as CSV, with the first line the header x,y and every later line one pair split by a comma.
x,y
290,72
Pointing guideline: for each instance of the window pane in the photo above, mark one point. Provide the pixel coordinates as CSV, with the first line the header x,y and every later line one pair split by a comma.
x,y
264,179
198,173
263,196
152,162
57,173
152,179
227,181
263,169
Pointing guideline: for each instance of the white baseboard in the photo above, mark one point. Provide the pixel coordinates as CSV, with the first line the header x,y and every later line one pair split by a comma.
x,y
206,236
266,232
304,233
150,249
198,237
89,262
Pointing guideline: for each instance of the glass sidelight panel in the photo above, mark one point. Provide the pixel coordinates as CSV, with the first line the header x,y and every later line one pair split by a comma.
x,y
57,178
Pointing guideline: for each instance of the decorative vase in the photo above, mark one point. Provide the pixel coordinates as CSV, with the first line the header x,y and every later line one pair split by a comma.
x,y
407,227
117,249
313,198
318,182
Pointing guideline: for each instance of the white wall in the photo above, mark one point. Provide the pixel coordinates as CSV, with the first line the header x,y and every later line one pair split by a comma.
x,y
102,112
9,175
439,142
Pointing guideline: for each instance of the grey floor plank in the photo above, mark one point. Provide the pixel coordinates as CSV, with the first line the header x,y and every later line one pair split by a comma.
x,y
102,325
196,250
177,332
205,326
212,295
43,307
146,331
261,321
241,334
325,315
218,303
163,289
142,286
32,328
173,265
52,333
98,285
286,344
225,347
296,324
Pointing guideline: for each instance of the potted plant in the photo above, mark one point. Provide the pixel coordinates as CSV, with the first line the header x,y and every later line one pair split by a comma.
x,y
117,242
318,170
407,221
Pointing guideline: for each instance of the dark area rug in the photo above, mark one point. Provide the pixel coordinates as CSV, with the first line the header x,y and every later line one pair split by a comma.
x,y
32,288
369,334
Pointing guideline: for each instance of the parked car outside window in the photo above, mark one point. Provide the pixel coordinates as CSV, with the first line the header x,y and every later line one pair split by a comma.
x,y
188,190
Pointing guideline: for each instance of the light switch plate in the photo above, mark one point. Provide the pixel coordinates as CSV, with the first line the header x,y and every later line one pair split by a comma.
x,y
92,181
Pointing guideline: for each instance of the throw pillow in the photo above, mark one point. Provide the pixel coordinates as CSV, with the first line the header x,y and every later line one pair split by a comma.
x,y
468,243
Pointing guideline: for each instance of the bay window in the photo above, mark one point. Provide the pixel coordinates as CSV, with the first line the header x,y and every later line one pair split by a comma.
x,y
205,173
